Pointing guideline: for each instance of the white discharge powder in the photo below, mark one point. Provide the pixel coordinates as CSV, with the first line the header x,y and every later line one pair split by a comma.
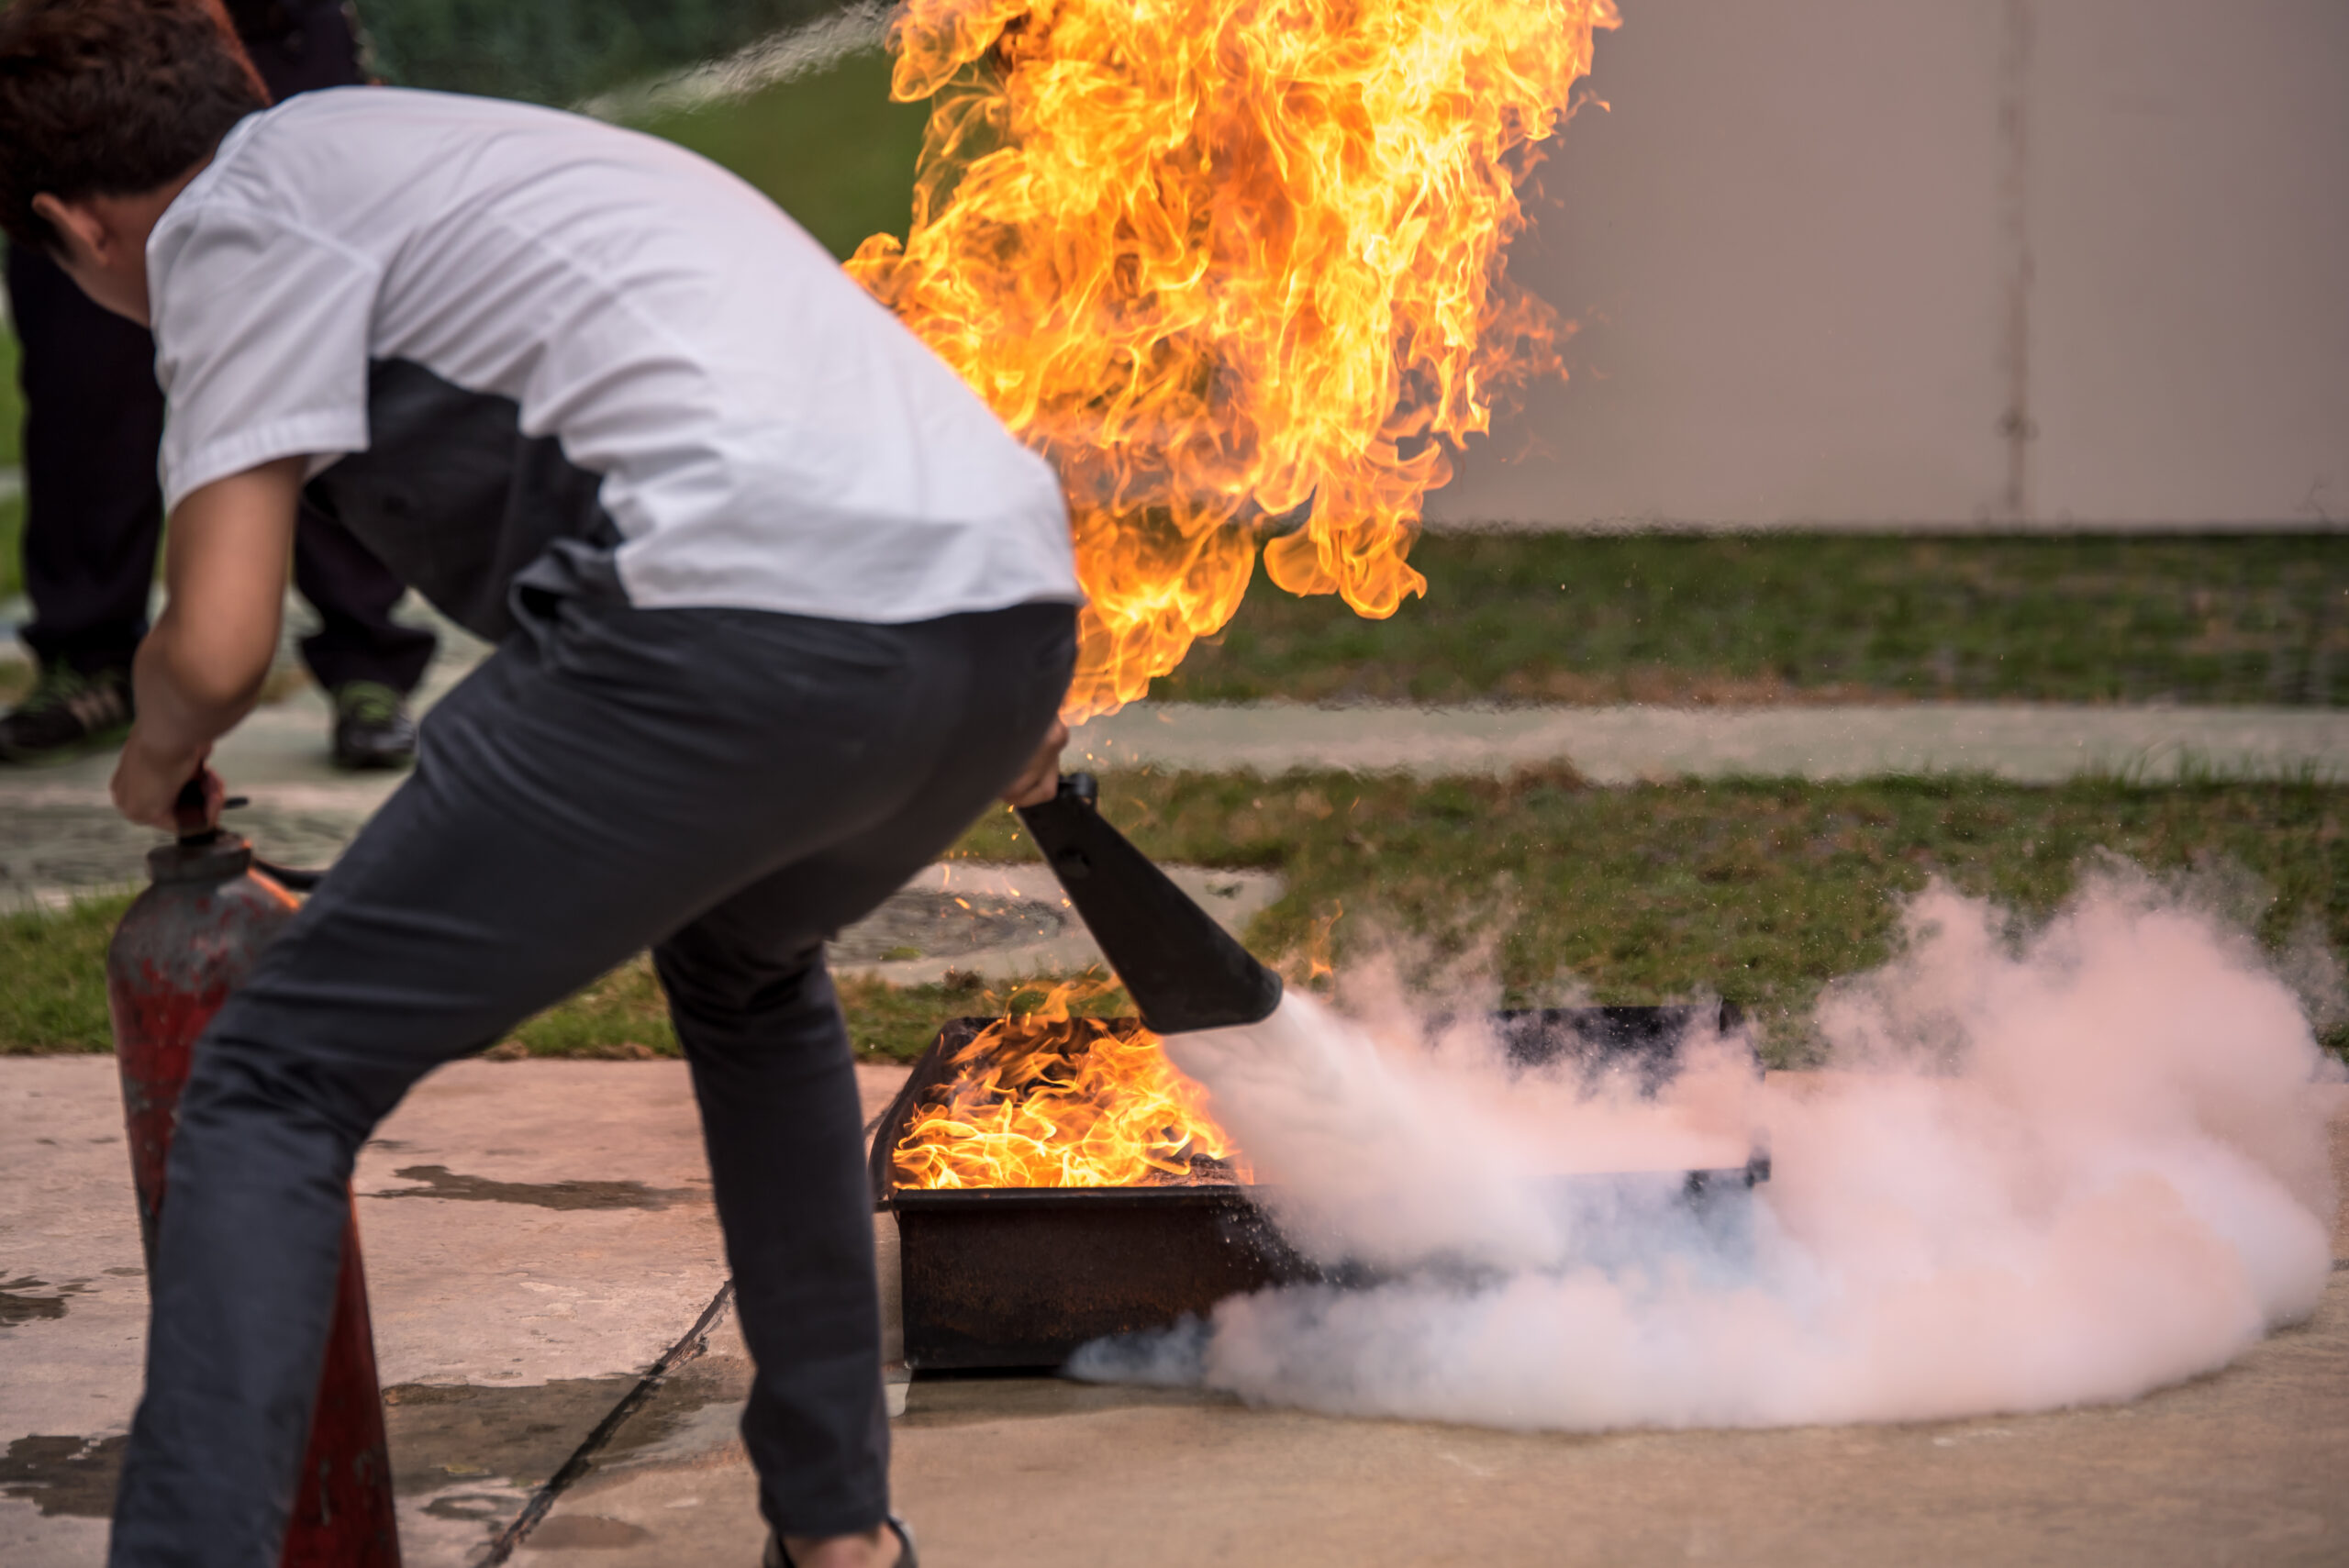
x,y
2068,1168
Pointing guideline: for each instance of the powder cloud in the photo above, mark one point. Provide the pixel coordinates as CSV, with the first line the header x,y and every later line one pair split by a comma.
x,y
2048,1166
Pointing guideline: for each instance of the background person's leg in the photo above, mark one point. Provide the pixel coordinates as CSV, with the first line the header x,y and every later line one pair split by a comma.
x,y
93,509
353,594
94,514
298,46
579,796
367,661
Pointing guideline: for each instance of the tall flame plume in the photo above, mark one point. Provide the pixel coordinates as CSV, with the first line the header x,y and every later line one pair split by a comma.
x,y
1230,264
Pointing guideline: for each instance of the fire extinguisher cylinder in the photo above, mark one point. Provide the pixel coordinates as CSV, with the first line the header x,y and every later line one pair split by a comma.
x,y
185,944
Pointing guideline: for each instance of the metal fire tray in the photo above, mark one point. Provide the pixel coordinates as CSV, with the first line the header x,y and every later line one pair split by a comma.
x,y
1018,1277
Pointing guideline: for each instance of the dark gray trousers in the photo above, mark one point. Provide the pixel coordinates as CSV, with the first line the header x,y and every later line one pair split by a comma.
x,y
725,786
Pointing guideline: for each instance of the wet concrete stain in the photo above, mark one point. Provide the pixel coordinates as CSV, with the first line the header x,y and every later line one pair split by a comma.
x,y
673,1411
584,1530
499,1443
481,1452
918,924
481,1447
21,1300
443,1183
73,1476
445,1434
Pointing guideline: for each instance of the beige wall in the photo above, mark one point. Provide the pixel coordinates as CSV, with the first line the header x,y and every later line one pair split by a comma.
x,y
1944,262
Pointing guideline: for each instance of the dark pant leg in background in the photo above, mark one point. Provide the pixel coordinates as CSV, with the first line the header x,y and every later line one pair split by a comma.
x,y
93,418
353,592
300,46
735,782
297,44
92,510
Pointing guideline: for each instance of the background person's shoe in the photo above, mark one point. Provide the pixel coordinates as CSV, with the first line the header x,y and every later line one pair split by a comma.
x,y
66,713
371,727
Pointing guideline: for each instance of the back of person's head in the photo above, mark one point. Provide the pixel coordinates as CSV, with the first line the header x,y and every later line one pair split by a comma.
x,y
110,98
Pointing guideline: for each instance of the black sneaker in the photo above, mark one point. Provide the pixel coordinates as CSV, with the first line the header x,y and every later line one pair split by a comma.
x,y
66,713
371,727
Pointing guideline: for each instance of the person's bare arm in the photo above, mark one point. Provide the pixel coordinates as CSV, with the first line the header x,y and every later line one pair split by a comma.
x,y
201,668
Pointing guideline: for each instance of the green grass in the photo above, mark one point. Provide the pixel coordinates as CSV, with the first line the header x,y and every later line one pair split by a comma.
x,y
556,51
623,1015
1758,890
54,1001
12,554
53,993
831,149
12,405
1548,617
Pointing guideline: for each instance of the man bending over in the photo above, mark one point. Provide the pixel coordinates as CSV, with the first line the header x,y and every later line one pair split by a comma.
x,y
779,606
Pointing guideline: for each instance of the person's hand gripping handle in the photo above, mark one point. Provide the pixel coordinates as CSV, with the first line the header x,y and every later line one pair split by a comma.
x,y
1040,779
196,808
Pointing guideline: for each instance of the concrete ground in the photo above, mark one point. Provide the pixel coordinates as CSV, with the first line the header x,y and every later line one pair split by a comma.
x,y
2026,743
539,1234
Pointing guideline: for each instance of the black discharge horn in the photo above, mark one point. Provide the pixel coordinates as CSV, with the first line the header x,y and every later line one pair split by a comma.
x,y
1184,971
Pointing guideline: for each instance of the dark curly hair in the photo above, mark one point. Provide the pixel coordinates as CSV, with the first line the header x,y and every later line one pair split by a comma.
x,y
111,97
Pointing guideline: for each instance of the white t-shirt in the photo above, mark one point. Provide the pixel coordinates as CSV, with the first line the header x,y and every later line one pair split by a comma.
x,y
499,330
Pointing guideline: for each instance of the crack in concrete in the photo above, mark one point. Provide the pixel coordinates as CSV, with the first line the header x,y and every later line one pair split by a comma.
x,y
695,1344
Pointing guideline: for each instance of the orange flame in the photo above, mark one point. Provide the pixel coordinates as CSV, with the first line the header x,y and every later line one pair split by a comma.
x,y
1222,260
1053,1101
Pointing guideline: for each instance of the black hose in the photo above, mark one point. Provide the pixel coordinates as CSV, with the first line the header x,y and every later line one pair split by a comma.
x,y
288,877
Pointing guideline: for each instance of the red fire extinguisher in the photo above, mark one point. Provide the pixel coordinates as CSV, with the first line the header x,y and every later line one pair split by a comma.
x,y
184,945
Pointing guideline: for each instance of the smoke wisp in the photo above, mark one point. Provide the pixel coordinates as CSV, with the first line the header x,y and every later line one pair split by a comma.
x,y
2049,1167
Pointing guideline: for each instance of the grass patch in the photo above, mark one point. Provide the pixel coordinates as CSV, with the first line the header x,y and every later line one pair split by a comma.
x,y
12,547
831,149
1760,891
12,403
55,1000
624,1015
1536,617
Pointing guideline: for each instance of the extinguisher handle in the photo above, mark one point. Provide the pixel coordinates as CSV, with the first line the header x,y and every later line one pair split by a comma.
x,y
291,878
188,809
